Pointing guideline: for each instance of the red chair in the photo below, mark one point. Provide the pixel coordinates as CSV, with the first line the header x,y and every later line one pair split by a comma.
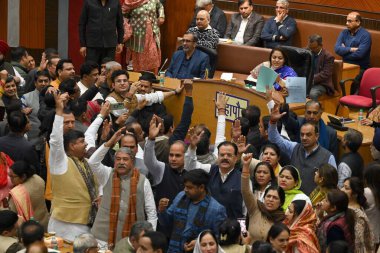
x,y
368,96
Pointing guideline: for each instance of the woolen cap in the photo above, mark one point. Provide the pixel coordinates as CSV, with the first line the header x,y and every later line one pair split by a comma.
x,y
4,48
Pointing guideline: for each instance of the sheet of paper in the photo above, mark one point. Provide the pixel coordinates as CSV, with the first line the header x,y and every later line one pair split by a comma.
x,y
267,76
250,78
297,89
227,76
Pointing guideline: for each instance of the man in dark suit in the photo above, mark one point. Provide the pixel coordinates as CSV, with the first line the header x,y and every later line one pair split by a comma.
x,y
101,30
218,19
246,26
323,64
188,62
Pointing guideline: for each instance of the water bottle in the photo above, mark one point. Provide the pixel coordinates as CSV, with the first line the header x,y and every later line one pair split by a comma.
x,y
360,117
162,78
54,241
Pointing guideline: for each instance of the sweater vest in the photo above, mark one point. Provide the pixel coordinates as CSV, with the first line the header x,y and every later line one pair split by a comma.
x,y
227,193
100,228
307,165
355,162
171,184
6,242
71,202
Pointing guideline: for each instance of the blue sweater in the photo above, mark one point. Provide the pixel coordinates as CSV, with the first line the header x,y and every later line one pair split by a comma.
x,y
362,40
272,32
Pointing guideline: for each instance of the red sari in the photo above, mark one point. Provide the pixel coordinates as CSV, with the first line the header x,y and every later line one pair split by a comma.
x,y
302,232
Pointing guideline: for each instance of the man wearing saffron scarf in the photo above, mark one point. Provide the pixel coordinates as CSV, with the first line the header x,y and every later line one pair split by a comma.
x,y
192,211
127,194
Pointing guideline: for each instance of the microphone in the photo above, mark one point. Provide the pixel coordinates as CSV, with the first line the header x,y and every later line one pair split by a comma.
x,y
163,65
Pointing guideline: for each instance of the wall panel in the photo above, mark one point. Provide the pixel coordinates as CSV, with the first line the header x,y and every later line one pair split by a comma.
x,y
3,19
32,23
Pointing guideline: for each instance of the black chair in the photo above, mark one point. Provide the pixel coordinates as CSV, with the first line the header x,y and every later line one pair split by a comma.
x,y
301,60
213,56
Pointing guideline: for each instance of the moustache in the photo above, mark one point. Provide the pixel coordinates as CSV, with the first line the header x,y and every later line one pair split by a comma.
x,y
224,161
121,166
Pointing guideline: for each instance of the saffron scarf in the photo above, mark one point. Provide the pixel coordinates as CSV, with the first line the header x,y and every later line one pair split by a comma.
x,y
302,232
131,216
21,199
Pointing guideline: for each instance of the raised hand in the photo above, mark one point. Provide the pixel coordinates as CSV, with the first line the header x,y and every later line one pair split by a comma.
x,y
221,101
115,138
105,109
275,114
247,158
241,144
60,102
122,119
107,126
163,204
154,128
236,130
134,87
188,85
195,137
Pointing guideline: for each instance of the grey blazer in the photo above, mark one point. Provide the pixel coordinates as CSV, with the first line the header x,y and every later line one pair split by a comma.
x,y
252,31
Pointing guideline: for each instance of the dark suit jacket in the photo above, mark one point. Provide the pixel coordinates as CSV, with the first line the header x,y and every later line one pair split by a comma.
x,y
199,61
218,20
252,31
324,71
98,24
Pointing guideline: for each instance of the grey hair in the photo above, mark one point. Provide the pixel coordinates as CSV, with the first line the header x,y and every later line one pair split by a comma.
x,y
111,64
139,227
202,3
83,242
284,2
127,151
315,38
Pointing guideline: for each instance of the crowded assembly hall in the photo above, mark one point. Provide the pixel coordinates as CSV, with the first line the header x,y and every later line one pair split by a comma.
x,y
178,126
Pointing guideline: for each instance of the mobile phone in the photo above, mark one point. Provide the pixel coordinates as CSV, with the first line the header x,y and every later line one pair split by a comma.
x,y
243,226
116,106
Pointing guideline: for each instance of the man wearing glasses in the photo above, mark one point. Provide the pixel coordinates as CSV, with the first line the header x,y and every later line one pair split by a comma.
x,y
189,62
280,29
354,45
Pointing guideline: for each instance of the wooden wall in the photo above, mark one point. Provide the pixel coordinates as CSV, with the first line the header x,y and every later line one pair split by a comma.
x,y
3,19
327,11
178,17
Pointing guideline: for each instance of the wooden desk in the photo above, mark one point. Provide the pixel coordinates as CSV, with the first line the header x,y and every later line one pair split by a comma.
x,y
368,133
350,71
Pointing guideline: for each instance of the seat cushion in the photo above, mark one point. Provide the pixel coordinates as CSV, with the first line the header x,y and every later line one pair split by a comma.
x,y
357,101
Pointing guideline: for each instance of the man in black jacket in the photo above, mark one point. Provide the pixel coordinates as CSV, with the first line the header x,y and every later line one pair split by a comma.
x,y
98,24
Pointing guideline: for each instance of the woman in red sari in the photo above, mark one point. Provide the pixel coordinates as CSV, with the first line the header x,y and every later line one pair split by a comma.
x,y
301,220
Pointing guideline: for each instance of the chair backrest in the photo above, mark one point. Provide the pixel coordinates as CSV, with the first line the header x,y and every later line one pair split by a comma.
x,y
337,74
300,60
370,79
213,56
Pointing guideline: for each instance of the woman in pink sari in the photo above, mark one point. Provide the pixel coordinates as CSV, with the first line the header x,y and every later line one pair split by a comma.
x,y
142,32
27,195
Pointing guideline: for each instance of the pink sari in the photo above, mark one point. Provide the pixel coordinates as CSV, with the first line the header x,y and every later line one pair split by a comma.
x,y
21,199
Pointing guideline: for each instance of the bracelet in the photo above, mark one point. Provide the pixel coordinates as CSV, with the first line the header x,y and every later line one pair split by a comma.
x,y
272,122
100,116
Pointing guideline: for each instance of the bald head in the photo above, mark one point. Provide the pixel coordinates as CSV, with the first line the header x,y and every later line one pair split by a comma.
x,y
203,19
353,21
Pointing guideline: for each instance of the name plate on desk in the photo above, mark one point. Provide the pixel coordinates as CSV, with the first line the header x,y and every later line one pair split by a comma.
x,y
234,106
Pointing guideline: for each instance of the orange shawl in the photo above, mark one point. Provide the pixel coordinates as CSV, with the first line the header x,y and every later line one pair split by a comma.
x,y
131,216
21,198
302,232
